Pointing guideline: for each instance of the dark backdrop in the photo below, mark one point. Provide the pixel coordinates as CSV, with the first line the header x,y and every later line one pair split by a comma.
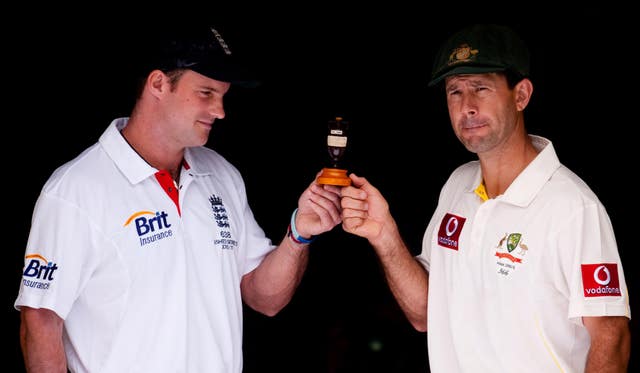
x,y
69,77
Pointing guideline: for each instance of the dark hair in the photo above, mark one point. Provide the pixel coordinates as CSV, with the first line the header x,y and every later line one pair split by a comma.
x,y
173,74
513,78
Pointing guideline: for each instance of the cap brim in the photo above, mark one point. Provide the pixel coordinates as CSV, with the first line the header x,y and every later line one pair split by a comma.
x,y
467,69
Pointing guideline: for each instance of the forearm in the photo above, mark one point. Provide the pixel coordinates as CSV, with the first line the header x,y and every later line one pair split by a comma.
x,y
610,345
41,341
407,279
271,285
607,360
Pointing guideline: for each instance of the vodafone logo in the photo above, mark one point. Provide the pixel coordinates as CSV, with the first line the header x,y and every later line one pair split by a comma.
x,y
452,226
602,272
449,232
600,280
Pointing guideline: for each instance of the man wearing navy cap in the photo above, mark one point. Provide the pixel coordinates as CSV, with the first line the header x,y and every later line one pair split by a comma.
x,y
143,248
519,269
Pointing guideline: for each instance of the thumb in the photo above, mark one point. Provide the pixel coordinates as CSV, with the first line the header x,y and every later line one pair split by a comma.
x,y
362,183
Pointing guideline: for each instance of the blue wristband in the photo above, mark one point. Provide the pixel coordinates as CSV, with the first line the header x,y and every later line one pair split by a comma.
x,y
293,233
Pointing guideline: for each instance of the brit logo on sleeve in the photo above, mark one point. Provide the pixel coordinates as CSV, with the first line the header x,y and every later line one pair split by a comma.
x,y
449,232
599,280
38,272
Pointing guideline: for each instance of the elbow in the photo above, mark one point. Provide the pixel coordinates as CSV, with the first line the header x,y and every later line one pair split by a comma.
x,y
268,302
420,325
270,314
418,319
270,311
417,315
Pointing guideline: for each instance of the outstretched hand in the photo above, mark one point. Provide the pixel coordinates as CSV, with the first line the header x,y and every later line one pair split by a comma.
x,y
364,210
318,209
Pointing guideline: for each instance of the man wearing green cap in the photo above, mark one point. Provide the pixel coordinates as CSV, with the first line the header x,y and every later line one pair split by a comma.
x,y
519,267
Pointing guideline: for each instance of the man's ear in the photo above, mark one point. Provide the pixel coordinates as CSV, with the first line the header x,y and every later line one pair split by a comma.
x,y
523,90
156,82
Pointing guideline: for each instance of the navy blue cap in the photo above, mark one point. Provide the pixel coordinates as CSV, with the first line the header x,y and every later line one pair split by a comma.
x,y
203,50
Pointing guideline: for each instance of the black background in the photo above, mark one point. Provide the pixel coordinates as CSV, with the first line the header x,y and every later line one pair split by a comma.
x,y
69,77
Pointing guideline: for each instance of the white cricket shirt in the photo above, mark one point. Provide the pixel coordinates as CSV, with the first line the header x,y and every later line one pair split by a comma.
x,y
143,283
510,278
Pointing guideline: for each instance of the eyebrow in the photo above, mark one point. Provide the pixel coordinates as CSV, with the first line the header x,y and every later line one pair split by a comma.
x,y
472,81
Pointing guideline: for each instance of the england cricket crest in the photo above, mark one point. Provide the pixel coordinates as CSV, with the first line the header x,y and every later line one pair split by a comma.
x,y
225,239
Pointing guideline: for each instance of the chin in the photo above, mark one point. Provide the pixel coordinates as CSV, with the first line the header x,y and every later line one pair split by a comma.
x,y
474,145
202,137
202,142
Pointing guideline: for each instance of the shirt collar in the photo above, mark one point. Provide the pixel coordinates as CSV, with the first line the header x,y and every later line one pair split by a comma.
x,y
527,185
134,167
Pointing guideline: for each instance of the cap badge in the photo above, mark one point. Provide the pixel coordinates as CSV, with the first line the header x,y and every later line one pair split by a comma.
x,y
463,53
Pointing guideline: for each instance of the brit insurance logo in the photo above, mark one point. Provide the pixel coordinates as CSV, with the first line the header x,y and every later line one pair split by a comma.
x,y
38,272
224,241
600,280
510,251
150,226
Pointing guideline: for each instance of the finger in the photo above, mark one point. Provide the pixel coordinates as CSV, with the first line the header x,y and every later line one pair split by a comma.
x,y
327,209
332,188
324,219
325,199
364,185
353,213
318,193
353,225
354,204
357,180
353,192
315,179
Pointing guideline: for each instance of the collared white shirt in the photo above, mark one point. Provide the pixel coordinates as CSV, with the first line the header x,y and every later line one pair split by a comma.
x,y
143,283
511,277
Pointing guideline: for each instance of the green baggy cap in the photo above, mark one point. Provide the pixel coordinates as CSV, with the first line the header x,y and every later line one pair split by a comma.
x,y
479,49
